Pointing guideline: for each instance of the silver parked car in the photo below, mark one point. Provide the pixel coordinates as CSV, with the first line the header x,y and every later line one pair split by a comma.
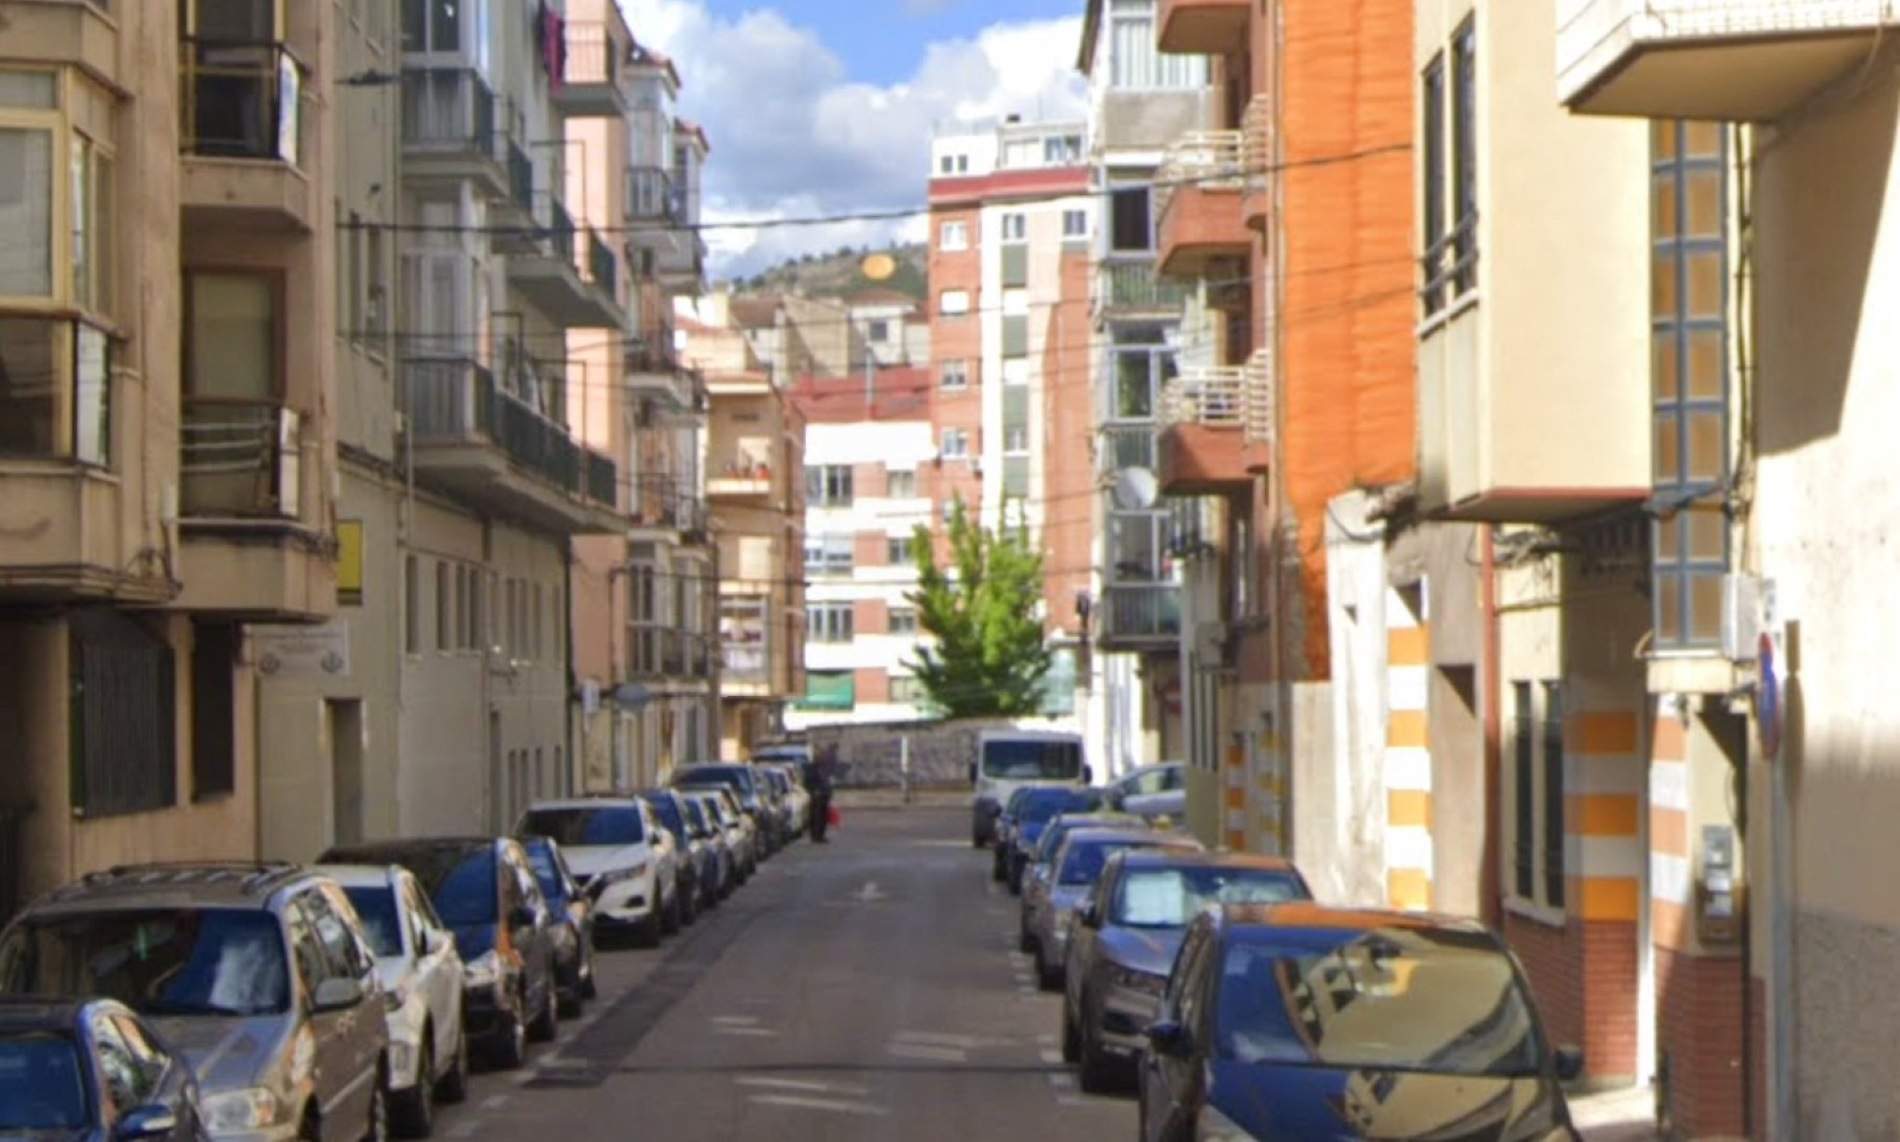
x,y
1072,877
260,975
1152,792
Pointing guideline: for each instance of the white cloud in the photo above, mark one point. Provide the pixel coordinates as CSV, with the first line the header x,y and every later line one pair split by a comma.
x,y
794,136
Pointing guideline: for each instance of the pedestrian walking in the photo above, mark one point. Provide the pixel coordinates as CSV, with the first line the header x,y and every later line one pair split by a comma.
x,y
824,770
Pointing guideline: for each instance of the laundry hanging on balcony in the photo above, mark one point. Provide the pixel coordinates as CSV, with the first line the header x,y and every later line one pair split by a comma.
x,y
550,42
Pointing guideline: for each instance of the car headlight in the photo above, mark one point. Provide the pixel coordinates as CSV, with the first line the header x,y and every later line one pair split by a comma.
x,y
483,971
235,1111
1213,1126
1129,979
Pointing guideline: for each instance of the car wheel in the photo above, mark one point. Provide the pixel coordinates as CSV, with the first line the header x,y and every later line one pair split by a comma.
x,y
670,918
1097,1069
1025,943
997,872
412,1112
590,986
453,1086
1015,879
647,935
376,1129
1048,976
689,907
1071,1048
308,1130
567,1004
547,1022
511,1043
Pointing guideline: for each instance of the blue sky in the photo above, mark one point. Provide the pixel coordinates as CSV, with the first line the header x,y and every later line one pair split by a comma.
x,y
826,107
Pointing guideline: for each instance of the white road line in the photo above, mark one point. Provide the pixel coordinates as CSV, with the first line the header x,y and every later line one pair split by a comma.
x,y
466,1129
807,1087
938,1038
736,1020
1062,1080
1053,1057
495,1102
932,1054
836,1106
748,1032
1071,1100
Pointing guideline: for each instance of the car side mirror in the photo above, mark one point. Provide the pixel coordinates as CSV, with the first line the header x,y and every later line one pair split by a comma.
x,y
337,995
522,917
1170,1038
1091,916
436,941
147,1122
1568,1062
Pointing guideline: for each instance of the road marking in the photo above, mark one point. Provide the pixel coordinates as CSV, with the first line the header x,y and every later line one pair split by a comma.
x,y
870,893
931,1054
939,1039
1062,1080
466,1129
807,1087
736,1020
1052,1056
1071,1100
495,1102
749,1032
836,1106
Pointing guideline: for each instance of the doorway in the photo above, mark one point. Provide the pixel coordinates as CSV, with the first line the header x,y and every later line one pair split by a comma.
x,y
344,721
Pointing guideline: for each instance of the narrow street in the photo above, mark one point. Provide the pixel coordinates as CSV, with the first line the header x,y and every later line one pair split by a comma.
x,y
866,989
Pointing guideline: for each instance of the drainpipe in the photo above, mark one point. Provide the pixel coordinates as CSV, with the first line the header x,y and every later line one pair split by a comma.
x,y
1490,890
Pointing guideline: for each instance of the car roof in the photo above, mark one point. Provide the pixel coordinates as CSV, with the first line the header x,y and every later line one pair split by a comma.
x,y
219,884
38,1013
1103,820
1106,835
1201,858
393,852
617,801
1310,916
363,875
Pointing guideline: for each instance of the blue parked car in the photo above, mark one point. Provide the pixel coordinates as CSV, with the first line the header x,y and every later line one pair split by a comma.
x,y
91,1070
1033,811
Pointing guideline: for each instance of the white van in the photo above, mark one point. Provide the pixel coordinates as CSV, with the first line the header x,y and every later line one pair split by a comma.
x,y
1008,760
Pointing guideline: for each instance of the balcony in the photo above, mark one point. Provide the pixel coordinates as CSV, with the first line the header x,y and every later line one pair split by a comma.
x,y
500,452
1202,27
654,371
569,274
1139,616
590,86
245,470
1709,59
1130,288
743,479
449,131
1204,448
1256,153
243,137
1125,446
652,197
745,646
662,652
1199,188
667,508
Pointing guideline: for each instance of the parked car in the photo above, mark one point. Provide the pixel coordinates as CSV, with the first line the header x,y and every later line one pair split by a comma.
x,y
697,861
1037,873
1035,808
790,822
742,781
623,858
92,1071
741,833
1002,831
574,934
1152,791
1125,937
244,969
421,974
1006,760
704,819
1297,1021
793,783
485,893
795,754
1073,872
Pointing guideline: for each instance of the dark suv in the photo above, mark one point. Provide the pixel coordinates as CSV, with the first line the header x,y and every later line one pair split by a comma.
x,y
484,889
259,975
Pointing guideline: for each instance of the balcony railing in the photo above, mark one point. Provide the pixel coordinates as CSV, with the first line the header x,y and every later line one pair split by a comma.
x,y
1450,266
662,500
1211,396
240,459
1141,611
591,54
240,99
457,402
1256,149
603,269
520,176
651,196
1134,287
1259,397
603,480
1127,446
448,109
663,651
1207,160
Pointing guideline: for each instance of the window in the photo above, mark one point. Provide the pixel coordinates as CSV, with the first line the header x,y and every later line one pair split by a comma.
x,y
444,607
1131,229
954,374
1464,140
1135,64
950,510
903,620
26,208
376,291
1432,128
124,702
828,485
908,691
1015,439
897,550
91,220
431,25
900,484
1015,227
1554,794
214,653
953,237
1075,223
878,330
953,302
1141,372
55,390
472,602
232,337
828,554
535,617
828,622
411,606
1689,307
1524,832
829,690
956,444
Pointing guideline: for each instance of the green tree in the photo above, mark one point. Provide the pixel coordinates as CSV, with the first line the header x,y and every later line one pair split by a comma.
x,y
984,609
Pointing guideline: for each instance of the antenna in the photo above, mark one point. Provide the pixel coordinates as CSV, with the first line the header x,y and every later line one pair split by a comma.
x,y
1135,489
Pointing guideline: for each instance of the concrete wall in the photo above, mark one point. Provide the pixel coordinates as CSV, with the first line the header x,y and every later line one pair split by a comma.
x,y
1340,811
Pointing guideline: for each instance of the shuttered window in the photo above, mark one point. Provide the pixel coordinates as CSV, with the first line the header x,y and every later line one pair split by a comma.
x,y
124,753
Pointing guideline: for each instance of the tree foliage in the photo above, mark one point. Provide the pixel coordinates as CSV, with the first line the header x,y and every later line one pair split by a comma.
x,y
989,657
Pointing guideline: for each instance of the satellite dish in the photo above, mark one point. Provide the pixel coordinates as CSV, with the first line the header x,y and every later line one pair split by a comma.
x,y
878,267
1135,489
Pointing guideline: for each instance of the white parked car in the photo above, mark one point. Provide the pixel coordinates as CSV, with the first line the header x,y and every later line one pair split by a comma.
x,y
796,796
421,974
1152,791
625,860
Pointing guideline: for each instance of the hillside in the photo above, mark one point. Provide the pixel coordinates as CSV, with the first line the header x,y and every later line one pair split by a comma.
x,y
841,273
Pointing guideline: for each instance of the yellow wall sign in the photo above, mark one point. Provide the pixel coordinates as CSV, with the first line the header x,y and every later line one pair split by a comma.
x,y
349,562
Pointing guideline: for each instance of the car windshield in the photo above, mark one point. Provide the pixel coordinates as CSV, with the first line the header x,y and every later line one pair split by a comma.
x,y
695,815
1032,759
463,889
602,825
376,904
1039,805
668,811
162,961
738,778
1082,860
40,1087
1171,897
1384,998
541,859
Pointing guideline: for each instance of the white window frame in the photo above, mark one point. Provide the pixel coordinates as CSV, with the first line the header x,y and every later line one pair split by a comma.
x,y
955,444
954,375
958,308
953,237
1075,223
908,475
1015,226
830,623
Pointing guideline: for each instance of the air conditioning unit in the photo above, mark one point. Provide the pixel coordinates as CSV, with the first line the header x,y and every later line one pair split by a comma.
x,y
1741,616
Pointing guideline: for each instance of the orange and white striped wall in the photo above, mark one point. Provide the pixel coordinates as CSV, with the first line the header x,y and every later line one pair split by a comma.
x,y
1408,759
1604,774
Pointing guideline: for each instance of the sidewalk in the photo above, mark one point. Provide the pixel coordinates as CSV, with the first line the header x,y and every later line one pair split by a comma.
x,y
1624,1115
894,799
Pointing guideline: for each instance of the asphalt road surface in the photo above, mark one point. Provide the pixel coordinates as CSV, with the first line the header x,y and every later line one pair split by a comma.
x,y
865,989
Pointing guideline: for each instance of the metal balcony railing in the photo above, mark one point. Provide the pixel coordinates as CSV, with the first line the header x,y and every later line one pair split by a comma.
x,y
520,176
240,459
591,54
456,401
603,480
448,109
1141,611
1450,266
603,269
1210,396
652,196
1208,160
240,99
1259,397
1256,150
1127,446
1134,286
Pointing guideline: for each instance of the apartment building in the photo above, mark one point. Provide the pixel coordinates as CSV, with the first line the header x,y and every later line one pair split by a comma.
x,y
1140,103
167,434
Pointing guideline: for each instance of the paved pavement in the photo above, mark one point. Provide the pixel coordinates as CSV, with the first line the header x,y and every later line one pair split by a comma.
x,y
866,989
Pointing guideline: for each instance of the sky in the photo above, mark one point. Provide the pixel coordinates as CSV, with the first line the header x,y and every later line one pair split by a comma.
x,y
823,107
